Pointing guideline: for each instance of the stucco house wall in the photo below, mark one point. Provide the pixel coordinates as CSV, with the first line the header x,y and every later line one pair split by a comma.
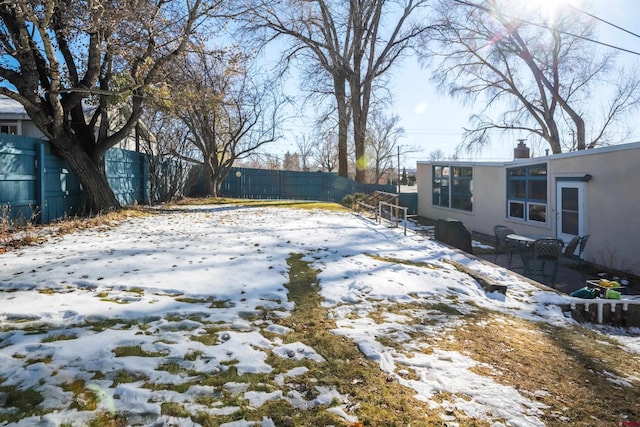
x,y
612,199
611,209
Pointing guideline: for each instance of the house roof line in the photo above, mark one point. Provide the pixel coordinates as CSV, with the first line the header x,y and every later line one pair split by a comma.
x,y
579,153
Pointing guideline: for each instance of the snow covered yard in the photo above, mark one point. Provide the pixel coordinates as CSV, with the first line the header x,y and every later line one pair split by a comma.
x,y
266,316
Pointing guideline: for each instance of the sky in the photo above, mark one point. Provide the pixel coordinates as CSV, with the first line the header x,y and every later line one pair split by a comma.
x,y
434,121
159,274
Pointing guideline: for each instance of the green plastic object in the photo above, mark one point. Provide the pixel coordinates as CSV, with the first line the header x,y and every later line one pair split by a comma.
x,y
586,293
612,294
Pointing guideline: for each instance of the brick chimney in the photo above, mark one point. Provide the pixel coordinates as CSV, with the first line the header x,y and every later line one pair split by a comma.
x,y
521,151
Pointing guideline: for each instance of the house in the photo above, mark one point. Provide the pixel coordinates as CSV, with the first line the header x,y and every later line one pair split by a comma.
x,y
595,192
14,120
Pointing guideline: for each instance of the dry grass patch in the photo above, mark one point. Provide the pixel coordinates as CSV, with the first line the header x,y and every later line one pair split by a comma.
x,y
392,260
14,234
293,204
585,378
376,399
70,225
564,368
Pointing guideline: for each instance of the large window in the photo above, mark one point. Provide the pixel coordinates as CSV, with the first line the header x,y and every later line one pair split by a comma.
x,y
527,193
452,187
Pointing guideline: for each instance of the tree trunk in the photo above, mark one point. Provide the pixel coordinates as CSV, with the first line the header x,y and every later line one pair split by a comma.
x,y
343,125
98,195
359,129
210,179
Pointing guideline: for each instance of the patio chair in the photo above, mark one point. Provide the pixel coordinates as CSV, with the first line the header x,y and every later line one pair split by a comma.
x,y
543,266
503,245
572,259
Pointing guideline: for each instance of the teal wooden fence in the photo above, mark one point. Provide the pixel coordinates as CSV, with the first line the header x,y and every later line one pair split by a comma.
x,y
247,183
37,186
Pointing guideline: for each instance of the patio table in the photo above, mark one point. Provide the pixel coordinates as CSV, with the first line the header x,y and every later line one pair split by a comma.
x,y
527,239
525,243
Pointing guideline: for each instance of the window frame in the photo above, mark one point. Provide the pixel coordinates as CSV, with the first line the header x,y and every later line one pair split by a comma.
x,y
529,175
452,186
9,125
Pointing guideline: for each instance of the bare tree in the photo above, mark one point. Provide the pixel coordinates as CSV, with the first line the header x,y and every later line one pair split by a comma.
x,y
229,114
542,75
58,55
291,162
354,43
326,150
375,49
305,150
436,155
382,143
167,171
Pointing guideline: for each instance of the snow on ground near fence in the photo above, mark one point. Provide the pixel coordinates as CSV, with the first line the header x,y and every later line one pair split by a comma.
x,y
148,271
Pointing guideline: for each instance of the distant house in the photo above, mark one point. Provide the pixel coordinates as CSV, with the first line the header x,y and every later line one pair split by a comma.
x,y
14,120
595,192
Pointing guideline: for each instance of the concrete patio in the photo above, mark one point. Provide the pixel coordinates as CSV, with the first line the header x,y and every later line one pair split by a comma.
x,y
567,279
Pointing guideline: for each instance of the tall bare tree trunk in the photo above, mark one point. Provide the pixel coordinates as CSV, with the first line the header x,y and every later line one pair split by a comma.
x,y
97,192
210,178
343,124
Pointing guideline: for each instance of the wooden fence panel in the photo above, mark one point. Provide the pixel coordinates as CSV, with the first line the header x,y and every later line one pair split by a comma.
x,y
60,189
34,180
127,173
247,183
18,197
35,184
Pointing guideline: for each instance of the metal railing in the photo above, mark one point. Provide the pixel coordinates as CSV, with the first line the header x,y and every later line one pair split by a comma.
x,y
394,219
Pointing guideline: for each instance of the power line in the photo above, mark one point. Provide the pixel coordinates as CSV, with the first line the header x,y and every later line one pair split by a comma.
x,y
566,33
604,20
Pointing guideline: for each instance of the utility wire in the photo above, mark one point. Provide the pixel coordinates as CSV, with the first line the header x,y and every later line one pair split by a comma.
x,y
566,33
604,20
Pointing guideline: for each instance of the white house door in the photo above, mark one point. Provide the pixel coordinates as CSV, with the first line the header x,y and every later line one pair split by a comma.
x,y
570,209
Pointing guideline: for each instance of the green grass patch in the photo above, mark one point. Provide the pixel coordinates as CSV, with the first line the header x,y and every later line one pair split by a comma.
x,y
135,350
44,359
107,419
100,325
125,377
191,300
59,337
173,409
20,403
193,355
172,368
219,303
210,337
83,398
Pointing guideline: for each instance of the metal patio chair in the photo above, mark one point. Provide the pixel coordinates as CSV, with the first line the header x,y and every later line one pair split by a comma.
x,y
543,266
573,259
502,244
